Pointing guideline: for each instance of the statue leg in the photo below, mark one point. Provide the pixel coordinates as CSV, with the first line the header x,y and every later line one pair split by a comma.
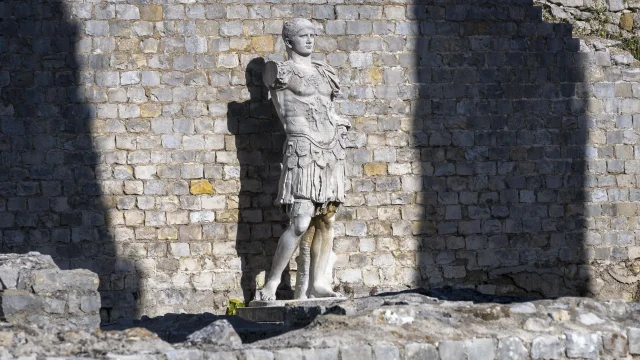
x,y
304,263
286,246
321,248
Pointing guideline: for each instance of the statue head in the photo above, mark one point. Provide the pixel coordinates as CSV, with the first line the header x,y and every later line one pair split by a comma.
x,y
299,36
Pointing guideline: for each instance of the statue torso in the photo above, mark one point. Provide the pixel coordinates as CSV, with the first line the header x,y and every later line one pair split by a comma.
x,y
305,103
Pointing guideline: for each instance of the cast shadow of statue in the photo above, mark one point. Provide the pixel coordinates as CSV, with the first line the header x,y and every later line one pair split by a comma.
x,y
259,138
51,198
500,138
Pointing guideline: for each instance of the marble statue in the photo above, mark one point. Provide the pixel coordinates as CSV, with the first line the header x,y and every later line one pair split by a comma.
x,y
312,181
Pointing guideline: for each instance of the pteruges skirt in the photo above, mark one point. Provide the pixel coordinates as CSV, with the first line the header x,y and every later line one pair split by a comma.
x,y
311,172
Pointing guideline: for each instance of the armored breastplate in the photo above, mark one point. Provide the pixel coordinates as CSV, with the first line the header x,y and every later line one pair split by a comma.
x,y
305,100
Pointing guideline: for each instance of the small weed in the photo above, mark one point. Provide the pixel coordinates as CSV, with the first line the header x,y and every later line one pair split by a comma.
x,y
632,45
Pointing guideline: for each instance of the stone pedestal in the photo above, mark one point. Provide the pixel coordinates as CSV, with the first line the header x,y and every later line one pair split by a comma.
x,y
290,313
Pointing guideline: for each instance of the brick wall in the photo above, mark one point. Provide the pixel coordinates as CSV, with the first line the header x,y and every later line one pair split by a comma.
x,y
496,151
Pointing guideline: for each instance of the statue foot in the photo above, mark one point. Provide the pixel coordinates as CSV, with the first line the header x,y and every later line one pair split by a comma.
x,y
268,293
318,291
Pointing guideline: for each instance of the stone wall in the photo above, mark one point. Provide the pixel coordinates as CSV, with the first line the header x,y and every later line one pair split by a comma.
x,y
596,17
138,141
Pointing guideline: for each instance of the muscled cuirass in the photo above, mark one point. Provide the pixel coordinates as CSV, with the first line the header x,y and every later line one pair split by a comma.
x,y
304,100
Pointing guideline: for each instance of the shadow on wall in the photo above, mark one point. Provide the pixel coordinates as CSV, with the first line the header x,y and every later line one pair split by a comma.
x,y
51,199
259,138
500,133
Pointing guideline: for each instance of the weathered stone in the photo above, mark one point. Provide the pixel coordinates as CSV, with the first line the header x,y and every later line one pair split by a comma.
x,y
151,12
199,187
15,302
626,21
583,345
633,334
414,351
262,43
547,347
219,333
511,348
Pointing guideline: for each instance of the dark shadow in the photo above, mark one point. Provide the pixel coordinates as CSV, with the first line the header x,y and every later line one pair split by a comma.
x,y
259,138
451,294
174,328
50,198
501,130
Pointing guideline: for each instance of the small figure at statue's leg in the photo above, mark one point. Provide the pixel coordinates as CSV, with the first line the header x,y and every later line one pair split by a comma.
x,y
304,263
286,246
321,248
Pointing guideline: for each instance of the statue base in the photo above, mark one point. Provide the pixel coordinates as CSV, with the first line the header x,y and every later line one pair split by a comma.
x,y
290,313
295,302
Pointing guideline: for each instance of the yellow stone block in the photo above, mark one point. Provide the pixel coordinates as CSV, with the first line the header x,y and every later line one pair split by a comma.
x,y
626,21
167,233
241,44
375,75
150,110
128,45
200,187
262,43
227,216
140,60
151,12
374,169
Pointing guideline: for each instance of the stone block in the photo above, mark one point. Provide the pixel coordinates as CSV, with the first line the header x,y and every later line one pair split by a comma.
x,y
179,249
262,43
50,280
547,347
615,345
417,351
97,28
183,354
480,349
288,354
151,12
356,352
231,28
375,169
54,306
9,277
15,302
196,45
335,27
385,352
615,5
200,187
320,354
583,345
452,350
633,334
511,348
90,304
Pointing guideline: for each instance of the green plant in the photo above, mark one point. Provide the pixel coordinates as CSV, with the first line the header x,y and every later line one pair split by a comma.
x,y
631,45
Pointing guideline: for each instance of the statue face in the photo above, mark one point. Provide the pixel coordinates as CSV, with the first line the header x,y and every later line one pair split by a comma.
x,y
302,43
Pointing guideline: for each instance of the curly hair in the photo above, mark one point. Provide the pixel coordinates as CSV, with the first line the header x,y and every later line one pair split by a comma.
x,y
293,26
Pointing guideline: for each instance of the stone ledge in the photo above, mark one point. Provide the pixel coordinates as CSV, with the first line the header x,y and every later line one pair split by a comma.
x,y
401,326
36,291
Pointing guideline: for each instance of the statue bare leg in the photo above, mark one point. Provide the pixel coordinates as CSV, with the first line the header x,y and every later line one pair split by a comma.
x,y
321,248
286,246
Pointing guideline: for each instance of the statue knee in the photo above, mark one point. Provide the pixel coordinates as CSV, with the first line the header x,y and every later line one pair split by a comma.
x,y
300,225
